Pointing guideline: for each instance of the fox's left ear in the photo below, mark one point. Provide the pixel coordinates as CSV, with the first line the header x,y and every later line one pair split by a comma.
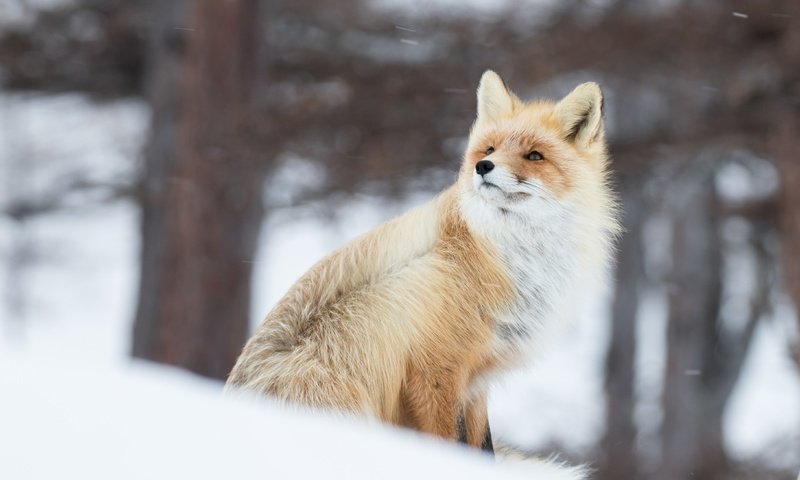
x,y
494,98
580,114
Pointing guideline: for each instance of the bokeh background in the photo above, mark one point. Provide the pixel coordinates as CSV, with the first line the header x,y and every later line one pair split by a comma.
x,y
169,168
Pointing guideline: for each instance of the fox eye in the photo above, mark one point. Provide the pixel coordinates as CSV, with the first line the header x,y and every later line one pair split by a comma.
x,y
534,155
490,150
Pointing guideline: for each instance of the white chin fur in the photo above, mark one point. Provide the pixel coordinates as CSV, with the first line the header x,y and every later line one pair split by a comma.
x,y
495,188
507,194
492,194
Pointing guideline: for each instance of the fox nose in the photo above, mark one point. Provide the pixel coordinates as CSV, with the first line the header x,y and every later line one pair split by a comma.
x,y
483,167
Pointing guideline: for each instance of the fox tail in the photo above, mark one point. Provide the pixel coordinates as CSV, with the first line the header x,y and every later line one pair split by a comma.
x,y
538,468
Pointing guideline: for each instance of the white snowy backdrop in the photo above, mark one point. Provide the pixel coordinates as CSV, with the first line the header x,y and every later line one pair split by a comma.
x,y
68,283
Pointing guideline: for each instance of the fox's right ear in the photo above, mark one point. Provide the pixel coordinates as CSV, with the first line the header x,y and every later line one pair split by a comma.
x,y
494,99
581,114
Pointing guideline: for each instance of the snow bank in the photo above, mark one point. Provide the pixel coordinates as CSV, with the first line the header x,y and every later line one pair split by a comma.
x,y
149,422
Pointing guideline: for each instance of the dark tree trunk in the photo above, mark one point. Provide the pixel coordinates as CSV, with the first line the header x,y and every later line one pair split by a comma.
x,y
787,153
694,294
704,356
202,205
619,441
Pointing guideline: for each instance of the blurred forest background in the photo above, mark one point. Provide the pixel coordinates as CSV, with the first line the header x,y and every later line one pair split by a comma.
x,y
224,115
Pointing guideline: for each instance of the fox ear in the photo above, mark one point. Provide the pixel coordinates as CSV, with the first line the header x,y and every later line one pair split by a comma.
x,y
494,99
580,114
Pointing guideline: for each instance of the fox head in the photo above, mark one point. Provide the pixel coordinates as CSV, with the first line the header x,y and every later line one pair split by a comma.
x,y
534,158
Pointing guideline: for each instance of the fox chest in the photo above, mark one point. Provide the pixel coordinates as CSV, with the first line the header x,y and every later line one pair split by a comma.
x,y
542,268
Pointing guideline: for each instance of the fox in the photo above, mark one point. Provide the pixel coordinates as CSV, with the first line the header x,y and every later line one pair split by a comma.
x,y
410,323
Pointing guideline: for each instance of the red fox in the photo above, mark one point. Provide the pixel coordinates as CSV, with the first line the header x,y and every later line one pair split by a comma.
x,y
409,322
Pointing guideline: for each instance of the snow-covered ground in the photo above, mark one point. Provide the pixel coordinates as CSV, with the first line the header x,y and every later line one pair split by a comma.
x,y
150,422
68,286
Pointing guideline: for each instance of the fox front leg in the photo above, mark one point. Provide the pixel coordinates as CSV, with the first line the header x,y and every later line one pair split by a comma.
x,y
472,425
487,445
431,401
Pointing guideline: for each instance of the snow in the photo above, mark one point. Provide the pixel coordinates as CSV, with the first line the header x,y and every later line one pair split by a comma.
x,y
651,351
463,8
75,299
746,178
764,407
18,14
48,142
147,421
67,294
68,277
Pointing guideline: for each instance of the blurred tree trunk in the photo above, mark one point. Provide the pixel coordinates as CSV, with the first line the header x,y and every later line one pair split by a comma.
x,y
619,441
695,286
788,160
704,354
202,201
